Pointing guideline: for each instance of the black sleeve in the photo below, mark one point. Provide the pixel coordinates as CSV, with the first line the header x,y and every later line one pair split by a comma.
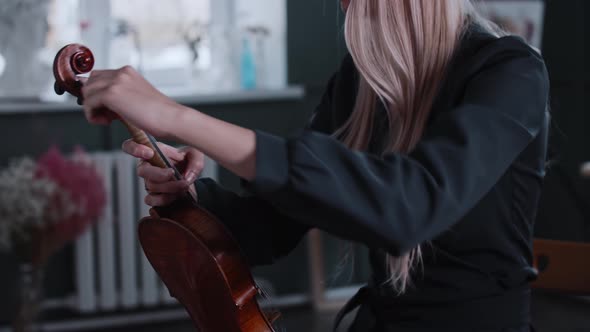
x,y
263,233
398,201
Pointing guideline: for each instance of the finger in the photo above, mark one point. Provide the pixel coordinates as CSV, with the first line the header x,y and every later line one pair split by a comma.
x,y
160,199
96,82
171,187
99,116
96,87
137,150
171,152
195,162
94,94
82,79
155,174
101,73
94,116
94,107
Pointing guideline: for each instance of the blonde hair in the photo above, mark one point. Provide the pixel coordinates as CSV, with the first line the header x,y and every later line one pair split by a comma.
x,y
402,49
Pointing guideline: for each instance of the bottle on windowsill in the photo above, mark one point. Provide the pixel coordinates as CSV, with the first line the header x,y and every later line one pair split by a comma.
x,y
247,66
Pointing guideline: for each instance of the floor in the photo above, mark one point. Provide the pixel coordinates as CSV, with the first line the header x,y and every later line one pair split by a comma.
x,y
291,320
550,313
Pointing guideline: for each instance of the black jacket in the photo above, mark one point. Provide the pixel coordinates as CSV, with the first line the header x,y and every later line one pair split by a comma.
x,y
468,192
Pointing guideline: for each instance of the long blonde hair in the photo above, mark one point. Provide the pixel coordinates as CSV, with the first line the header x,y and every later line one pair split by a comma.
x,y
402,49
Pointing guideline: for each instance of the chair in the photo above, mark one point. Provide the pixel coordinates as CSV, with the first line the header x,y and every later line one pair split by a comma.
x,y
563,266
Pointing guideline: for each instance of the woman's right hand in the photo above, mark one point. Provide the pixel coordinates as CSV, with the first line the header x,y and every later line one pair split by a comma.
x,y
162,186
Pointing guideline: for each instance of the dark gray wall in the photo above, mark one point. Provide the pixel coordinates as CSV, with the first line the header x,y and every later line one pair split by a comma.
x,y
564,212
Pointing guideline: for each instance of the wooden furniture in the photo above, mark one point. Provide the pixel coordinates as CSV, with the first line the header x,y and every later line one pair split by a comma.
x,y
563,266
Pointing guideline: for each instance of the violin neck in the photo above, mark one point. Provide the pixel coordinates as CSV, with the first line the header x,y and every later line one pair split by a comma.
x,y
159,159
140,137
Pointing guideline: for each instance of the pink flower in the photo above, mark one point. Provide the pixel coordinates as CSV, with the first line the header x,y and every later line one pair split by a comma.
x,y
81,195
46,204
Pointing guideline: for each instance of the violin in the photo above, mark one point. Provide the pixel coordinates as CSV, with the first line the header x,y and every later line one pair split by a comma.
x,y
191,250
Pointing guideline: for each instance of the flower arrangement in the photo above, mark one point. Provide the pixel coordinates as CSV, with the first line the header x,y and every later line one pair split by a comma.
x,y
44,204
48,202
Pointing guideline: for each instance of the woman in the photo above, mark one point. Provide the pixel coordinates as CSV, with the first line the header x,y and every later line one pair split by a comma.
x,y
428,147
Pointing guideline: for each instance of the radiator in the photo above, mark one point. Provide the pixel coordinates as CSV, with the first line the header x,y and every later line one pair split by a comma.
x,y
113,278
111,271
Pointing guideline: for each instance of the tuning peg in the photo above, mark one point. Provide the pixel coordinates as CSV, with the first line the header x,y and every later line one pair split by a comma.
x,y
58,89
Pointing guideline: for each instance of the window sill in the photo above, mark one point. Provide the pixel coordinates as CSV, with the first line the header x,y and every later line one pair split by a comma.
x,y
291,93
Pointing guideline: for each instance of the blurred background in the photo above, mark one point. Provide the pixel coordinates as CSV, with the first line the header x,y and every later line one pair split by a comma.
x,y
257,63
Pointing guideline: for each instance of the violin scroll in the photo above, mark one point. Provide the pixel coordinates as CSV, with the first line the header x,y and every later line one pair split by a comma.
x,y
75,59
71,61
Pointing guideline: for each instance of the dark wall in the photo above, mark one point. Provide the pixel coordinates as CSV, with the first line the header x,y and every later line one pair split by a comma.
x,y
564,212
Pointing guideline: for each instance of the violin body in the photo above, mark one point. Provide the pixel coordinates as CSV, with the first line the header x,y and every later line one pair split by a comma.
x,y
203,268
193,253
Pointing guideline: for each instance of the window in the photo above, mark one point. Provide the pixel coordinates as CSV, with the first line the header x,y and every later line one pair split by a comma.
x,y
182,46
520,17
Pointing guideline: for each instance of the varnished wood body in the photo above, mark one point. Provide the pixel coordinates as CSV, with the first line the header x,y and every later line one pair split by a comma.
x,y
203,268
563,266
192,252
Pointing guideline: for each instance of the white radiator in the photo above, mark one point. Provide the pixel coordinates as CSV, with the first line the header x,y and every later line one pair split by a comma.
x,y
111,271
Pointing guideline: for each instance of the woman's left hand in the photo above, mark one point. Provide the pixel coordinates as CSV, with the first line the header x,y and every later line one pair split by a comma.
x,y
124,93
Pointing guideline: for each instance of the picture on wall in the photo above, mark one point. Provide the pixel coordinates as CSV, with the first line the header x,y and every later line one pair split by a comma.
x,y
521,17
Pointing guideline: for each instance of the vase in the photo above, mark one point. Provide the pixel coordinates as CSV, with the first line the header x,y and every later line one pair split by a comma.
x,y
30,296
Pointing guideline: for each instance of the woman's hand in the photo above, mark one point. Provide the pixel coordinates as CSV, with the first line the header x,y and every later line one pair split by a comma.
x,y
160,183
124,93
